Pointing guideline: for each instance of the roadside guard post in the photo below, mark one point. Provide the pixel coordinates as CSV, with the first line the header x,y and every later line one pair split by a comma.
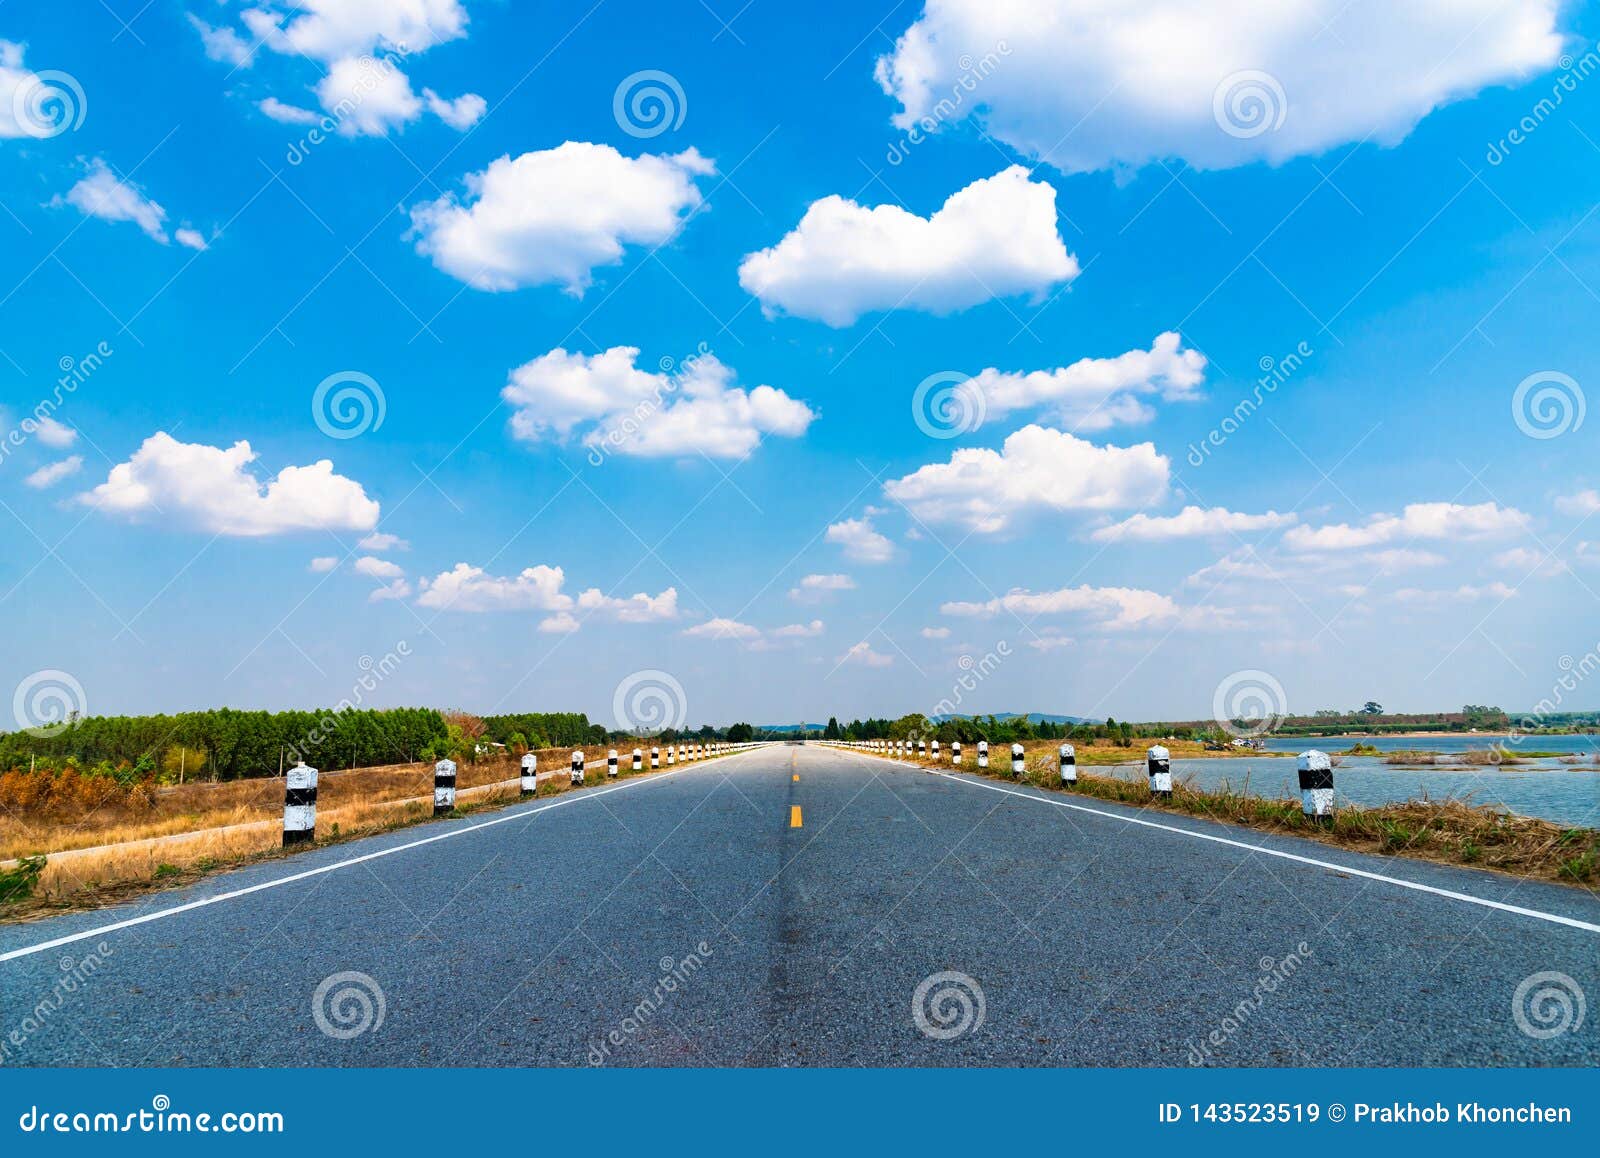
x,y
299,805
1069,765
935,751
577,767
1159,761
672,755
1316,786
955,752
983,753
922,749
611,762
530,774
655,757
638,760
444,787
1016,760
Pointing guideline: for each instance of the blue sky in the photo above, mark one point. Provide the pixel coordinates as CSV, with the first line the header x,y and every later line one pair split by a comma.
x,y
227,206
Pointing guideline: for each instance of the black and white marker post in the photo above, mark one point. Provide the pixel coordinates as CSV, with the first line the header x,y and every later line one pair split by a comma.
x,y
611,762
444,787
955,753
577,767
1316,786
655,757
1159,763
1069,765
936,751
672,755
299,805
530,774
1016,760
983,753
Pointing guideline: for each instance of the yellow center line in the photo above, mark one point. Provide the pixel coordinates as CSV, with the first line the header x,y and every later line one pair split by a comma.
x,y
794,816
797,777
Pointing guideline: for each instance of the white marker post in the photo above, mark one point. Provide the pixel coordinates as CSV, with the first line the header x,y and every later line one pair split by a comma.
x,y
577,767
936,751
611,763
299,805
638,760
1069,765
655,757
530,774
955,753
983,753
1016,760
1316,786
672,755
922,749
1159,763
444,787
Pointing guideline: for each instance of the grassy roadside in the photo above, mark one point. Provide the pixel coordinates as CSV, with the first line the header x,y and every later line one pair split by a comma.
x,y
1446,832
107,875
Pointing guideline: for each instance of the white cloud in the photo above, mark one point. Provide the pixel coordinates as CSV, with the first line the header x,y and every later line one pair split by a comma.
x,y
48,476
1109,607
636,608
222,44
375,568
104,195
52,433
935,633
322,564
863,654
469,588
1580,504
561,623
1037,469
551,217
284,114
330,29
23,92
860,541
383,541
1189,523
1051,642
1531,562
813,588
693,410
189,238
1466,593
1098,393
1111,84
995,238
461,113
1418,521
212,489
723,629
394,589
367,98
798,630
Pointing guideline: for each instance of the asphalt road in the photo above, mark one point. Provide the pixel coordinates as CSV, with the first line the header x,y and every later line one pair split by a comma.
x,y
782,907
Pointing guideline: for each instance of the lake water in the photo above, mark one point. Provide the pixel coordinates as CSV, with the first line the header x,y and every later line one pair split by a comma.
x,y
1448,742
1551,791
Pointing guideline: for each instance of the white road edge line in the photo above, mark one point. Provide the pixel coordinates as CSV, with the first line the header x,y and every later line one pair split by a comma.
x,y
1553,918
103,930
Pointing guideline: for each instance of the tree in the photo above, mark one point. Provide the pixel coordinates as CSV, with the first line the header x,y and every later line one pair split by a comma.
x,y
1372,708
831,732
740,733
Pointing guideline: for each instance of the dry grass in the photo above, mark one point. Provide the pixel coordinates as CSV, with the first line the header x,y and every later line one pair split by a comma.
x,y
1446,831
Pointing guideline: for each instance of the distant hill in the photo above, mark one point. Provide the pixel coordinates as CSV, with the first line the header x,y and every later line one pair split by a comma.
x,y
1032,717
789,727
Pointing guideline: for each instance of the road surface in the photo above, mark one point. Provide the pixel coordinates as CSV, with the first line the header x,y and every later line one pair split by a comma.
x,y
815,906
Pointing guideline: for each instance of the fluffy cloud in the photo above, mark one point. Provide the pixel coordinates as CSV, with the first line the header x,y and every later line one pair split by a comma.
x,y
935,633
52,433
995,238
48,476
1531,562
724,629
1189,523
1109,607
860,541
383,541
1098,393
1466,593
695,409
101,193
813,588
375,568
212,489
1417,521
395,589
1117,83
1037,469
322,564
551,217
22,91
361,44
798,630
469,588
1580,504
863,654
